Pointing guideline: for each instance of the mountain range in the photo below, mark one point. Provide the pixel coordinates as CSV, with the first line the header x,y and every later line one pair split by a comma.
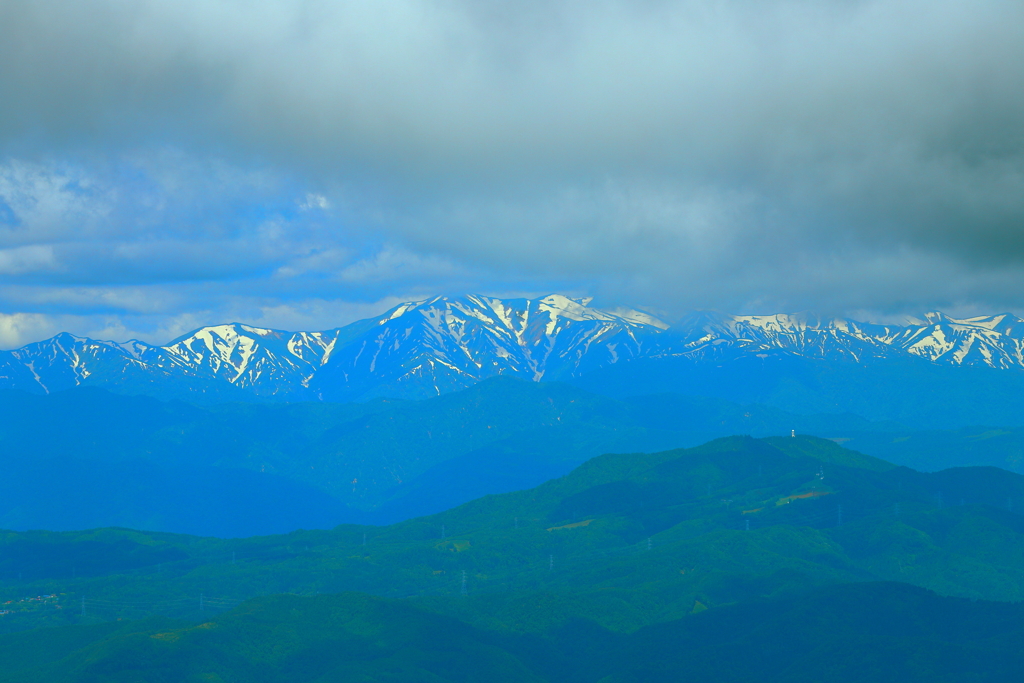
x,y
444,344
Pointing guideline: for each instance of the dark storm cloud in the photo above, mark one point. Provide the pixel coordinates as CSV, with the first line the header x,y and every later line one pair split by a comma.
x,y
838,155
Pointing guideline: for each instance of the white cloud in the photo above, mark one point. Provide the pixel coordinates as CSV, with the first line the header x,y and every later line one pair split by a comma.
x,y
18,329
314,201
28,259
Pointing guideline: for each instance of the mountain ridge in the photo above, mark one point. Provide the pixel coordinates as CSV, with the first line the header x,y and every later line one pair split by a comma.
x,y
431,347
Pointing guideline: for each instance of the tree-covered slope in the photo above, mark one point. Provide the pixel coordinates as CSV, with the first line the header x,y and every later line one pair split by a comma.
x,y
279,638
625,540
845,633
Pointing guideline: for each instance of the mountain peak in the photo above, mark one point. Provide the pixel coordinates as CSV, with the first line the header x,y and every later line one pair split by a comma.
x,y
564,302
557,305
226,331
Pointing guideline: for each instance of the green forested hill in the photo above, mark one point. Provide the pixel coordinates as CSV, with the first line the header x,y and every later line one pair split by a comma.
x,y
739,535
628,539
845,633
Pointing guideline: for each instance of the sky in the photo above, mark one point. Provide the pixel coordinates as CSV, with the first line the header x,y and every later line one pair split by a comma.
x,y
167,164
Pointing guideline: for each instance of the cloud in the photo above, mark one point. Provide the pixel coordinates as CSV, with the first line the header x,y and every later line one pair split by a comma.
x,y
320,314
28,259
844,155
45,201
392,264
314,201
20,328
144,218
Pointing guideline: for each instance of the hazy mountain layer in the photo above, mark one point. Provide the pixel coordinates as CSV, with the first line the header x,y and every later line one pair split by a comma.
x,y
87,457
241,469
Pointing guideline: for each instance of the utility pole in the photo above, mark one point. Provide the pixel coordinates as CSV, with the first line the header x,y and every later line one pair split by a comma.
x,y
464,591
648,542
748,524
551,562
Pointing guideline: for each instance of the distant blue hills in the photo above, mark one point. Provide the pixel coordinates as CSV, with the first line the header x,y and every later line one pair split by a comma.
x,y
86,457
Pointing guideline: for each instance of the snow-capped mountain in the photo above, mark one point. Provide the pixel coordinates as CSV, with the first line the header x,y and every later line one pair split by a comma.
x,y
247,357
435,346
443,344
994,341
416,349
